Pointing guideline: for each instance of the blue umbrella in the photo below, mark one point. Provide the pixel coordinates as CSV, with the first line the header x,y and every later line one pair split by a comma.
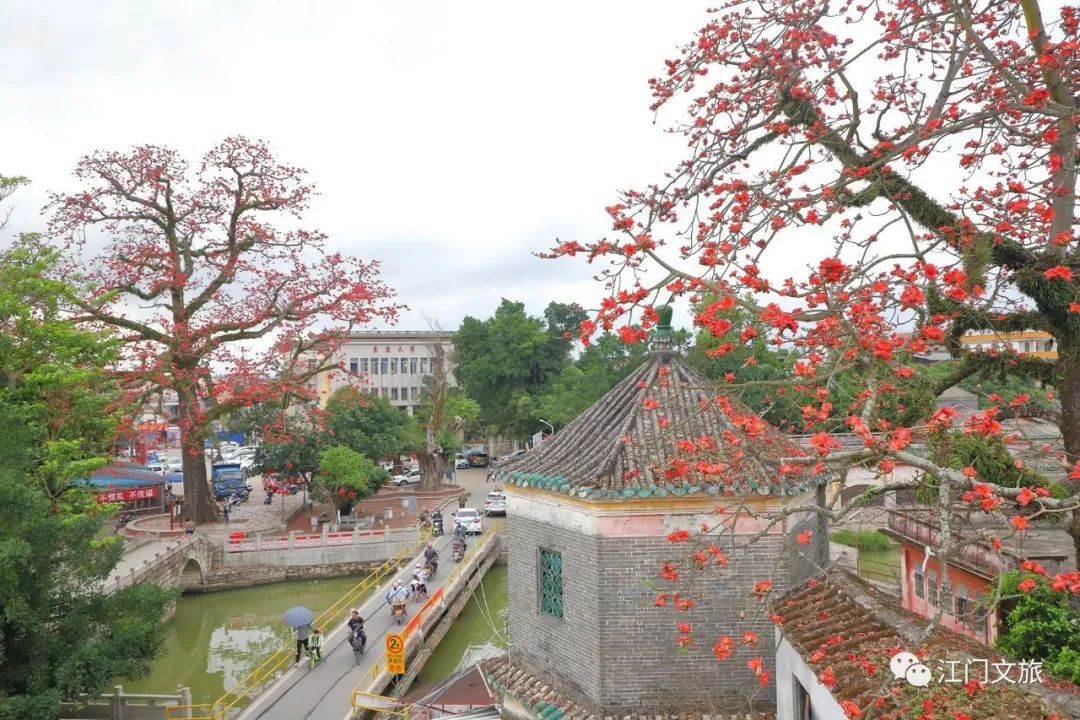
x,y
298,616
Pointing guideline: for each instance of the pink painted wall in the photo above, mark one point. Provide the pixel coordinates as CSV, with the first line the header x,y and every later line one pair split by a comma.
x,y
911,559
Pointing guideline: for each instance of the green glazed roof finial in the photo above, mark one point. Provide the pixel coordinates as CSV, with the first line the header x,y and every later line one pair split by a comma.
x,y
663,325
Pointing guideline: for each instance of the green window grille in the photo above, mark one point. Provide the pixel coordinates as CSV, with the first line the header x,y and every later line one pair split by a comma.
x,y
551,586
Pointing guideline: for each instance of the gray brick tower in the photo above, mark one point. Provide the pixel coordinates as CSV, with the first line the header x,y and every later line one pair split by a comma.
x,y
588,517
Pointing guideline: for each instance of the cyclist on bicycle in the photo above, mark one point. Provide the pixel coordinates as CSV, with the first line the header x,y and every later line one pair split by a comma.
x,y
356,630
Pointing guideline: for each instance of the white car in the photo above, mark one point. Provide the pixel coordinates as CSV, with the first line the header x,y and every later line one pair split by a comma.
x,y
410,478
496,507
156,467
471,519
174,465
461,462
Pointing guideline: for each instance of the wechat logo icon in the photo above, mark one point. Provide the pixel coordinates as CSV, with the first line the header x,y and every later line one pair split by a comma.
x,y
907,666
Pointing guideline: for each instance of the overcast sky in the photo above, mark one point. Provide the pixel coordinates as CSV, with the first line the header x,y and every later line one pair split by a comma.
x,y
448,140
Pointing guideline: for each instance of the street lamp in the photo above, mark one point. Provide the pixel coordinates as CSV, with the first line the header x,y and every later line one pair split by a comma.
x,y
549,425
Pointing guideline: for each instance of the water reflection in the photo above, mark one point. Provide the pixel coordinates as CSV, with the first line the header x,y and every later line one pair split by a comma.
x,y
478,633
218,638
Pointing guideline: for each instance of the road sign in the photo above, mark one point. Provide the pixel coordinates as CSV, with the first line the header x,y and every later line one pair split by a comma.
x,y
395,654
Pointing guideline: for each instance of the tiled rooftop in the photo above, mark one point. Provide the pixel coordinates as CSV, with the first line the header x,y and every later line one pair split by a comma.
x,y
663,431
545,701
844,627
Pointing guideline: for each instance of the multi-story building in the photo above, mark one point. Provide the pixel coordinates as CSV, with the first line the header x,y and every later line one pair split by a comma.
x,y
1035,343
392,364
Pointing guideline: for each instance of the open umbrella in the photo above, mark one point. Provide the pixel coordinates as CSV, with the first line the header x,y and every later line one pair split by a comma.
x,y
298,616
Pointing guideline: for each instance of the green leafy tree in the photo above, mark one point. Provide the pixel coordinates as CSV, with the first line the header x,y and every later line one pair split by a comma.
x,y
765,381
291,446
60,634
507,361
1040,624
368,424
345,476
598,368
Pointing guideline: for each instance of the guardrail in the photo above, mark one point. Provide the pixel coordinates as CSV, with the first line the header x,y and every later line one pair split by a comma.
x,y
131,706
137,574
360,695
296,541
253,682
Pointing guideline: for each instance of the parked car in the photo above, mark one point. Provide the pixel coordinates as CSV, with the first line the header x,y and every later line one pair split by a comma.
x,y
158,467
496,506
410,478
174,465
471,519
461,462
478,459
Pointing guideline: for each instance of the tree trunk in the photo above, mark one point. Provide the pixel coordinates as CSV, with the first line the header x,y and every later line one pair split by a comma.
x,y
199,505
432,462
1068,386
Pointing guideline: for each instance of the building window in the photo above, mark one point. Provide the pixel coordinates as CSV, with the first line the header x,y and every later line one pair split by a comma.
x,y
801,701
1027,346
412,365
962,605
393,366
415,393
393,393
363,365
1049,345
382,393
354,365
374,366
404,393
384,366
920,587
423,366
551,585
311,363
932,587
404,366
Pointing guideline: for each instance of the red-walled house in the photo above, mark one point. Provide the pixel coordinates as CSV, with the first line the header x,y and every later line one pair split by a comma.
x,y
970,571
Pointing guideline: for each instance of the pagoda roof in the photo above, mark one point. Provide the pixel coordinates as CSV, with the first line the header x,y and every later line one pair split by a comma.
x,y
664,430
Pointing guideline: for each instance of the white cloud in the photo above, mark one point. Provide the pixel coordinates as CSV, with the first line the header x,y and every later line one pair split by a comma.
x,y
450,140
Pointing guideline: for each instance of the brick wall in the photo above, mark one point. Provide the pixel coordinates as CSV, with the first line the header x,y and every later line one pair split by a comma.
x,y
643,667
566,649
615,649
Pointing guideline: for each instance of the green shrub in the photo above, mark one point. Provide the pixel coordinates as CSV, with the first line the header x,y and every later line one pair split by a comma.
x,y
861,539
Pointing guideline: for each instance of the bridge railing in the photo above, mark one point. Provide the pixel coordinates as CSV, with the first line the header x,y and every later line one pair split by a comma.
x,y
138,574
253,683
363,692
294,541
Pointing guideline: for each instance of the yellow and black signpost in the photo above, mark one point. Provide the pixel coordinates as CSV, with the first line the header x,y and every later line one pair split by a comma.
x,y
395,654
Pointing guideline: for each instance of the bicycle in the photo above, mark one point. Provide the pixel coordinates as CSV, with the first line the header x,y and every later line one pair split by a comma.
x,y
359,643
314,653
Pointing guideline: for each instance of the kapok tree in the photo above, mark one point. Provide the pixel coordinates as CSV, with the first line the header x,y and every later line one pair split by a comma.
x,y
880,178
220,294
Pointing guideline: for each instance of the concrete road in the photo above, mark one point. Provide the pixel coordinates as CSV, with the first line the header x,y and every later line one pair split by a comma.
x,y
325,692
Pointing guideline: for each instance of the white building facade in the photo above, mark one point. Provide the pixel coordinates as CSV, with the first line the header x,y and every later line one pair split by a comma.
x,y
390,364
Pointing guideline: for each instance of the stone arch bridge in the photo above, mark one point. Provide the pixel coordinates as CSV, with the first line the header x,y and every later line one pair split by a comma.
x,y
182,564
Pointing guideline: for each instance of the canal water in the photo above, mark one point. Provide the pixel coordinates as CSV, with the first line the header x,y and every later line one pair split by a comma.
x,y
218,638
479,631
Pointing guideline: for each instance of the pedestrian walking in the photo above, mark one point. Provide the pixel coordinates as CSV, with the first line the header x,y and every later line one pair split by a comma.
x,y
226,510
189,527
461,501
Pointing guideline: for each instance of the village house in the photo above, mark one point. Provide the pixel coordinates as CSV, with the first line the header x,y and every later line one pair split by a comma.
x,y
839,643
590,512
972,569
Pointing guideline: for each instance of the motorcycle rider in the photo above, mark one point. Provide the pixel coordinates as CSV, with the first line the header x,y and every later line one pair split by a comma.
x,y
398,596
356,629
459,542
431,555
419,580
437,522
